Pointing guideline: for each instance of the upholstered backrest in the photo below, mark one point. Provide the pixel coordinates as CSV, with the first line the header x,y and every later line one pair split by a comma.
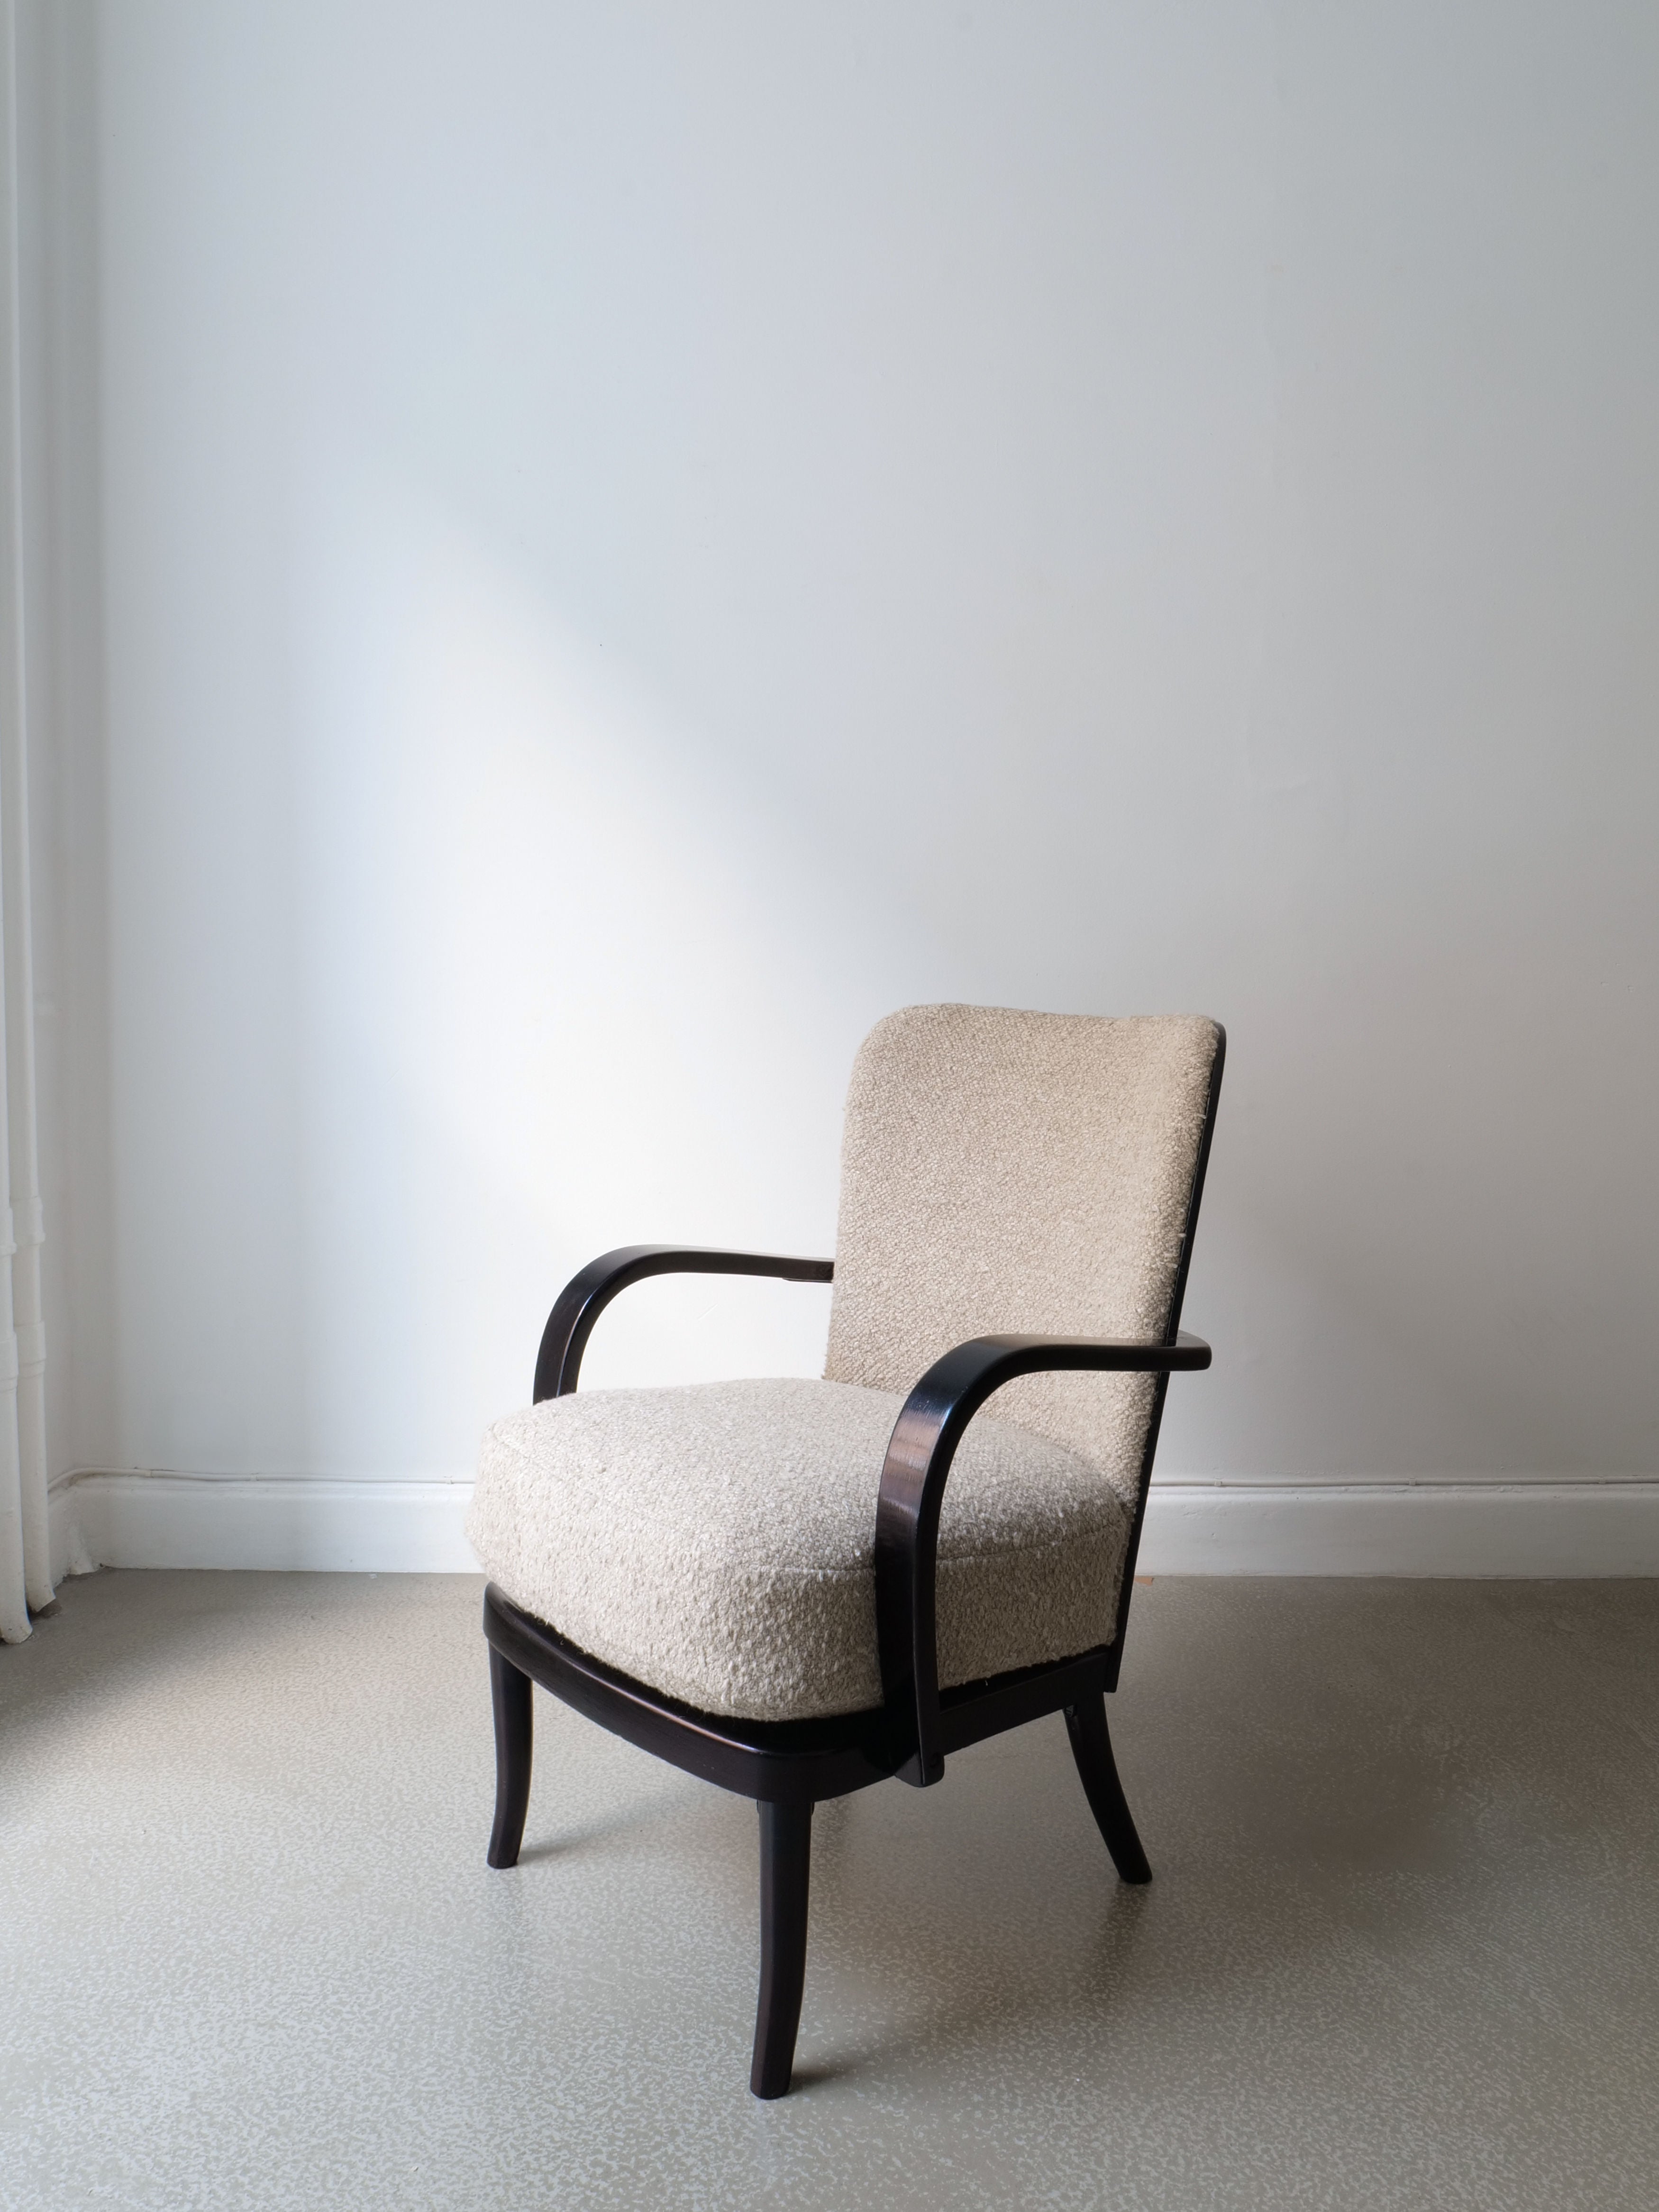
x,y
1006,1171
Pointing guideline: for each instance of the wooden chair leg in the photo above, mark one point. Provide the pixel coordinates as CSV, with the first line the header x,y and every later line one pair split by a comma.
x,y
509,1693
1091,1747
786,1833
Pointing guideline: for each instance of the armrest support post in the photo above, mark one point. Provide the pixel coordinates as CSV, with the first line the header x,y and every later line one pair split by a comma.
x,y
918,1464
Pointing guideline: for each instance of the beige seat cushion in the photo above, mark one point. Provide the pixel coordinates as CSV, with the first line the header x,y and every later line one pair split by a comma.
x,y
715,1542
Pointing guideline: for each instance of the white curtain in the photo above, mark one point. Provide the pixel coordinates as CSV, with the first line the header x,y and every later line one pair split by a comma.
x,y
25,1549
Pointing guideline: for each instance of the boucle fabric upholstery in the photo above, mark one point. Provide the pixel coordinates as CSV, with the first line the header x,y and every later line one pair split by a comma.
x,y
716,1541
1001,1172
1007,1172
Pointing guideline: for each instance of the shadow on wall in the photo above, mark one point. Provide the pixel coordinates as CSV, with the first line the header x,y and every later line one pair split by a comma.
x,y
703,527
563,975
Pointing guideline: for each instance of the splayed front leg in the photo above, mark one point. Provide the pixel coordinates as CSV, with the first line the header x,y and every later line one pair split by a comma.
x,y
509,1692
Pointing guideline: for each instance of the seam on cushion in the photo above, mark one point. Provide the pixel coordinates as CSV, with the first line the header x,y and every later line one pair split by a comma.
x,y
527,1458
766,1577
493,1433
784,1574
1017,1551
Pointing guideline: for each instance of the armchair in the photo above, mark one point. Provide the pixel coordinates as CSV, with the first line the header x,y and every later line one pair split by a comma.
x,y
776,1585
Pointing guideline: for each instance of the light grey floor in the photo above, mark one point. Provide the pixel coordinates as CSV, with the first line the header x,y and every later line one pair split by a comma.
x,y
1402,1948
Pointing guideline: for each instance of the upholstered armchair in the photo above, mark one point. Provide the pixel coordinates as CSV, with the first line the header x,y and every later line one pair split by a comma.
x,y
796,1589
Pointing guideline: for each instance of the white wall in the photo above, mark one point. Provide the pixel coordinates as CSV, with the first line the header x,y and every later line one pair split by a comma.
x,y
636,539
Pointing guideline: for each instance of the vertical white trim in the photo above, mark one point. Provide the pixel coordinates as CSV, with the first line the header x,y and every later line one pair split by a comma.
x,y
25,1527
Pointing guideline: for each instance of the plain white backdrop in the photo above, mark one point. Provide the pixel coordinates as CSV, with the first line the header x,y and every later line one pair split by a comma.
x,y
624,541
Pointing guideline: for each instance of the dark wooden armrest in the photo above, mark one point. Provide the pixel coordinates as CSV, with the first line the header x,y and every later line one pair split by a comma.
x,y
913,1478
586,1297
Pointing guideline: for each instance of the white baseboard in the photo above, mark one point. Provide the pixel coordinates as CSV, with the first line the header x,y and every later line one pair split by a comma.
x,y
1524,1529
205,1520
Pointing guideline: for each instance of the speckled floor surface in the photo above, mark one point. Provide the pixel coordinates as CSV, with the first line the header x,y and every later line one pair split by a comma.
x,y
1402,1948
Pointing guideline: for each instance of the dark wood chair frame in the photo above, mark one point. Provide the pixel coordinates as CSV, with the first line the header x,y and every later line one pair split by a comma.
x,y
788,1767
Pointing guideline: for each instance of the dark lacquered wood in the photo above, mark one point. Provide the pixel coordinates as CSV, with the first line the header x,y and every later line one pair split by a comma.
x,y
924,1442
785,1840
586,1297
789,1767
974,1711
509,1696
1091,1747
799,1762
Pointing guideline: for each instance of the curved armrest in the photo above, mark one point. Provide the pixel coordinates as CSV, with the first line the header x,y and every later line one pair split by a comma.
x,y
924,1442
586,1297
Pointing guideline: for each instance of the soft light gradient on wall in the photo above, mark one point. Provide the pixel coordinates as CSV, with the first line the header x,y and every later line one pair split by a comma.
x,y
636,539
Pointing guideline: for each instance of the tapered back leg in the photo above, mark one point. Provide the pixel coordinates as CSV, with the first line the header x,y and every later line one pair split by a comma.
x,y
1091,1747
509,1694
785,1837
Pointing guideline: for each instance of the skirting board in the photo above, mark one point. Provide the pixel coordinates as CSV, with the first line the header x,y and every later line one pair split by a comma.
x,y
1522,1529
